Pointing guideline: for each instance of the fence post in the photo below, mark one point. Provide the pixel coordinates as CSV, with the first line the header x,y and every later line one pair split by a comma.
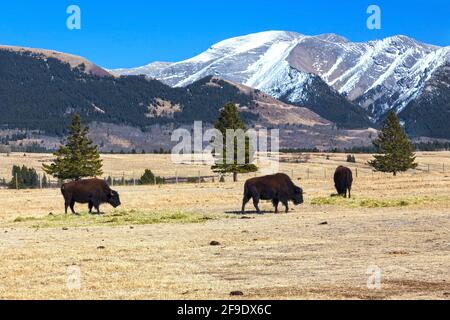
x,y
356,172
40,181
17,182
325,172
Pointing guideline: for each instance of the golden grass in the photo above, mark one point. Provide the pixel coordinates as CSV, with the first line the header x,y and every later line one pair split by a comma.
x,y
319,166
378,203
400,224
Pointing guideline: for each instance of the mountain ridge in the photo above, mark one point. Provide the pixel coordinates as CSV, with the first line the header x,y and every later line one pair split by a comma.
x,y
377,76
40,95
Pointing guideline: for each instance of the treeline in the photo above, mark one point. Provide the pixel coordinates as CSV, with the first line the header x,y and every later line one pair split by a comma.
x,y
148,178
43,94
12,138
134,151
26,178
419,146
432,146
23,177
27,148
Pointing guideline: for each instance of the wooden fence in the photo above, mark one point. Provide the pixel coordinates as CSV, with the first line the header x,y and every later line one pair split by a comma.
x,y
302,171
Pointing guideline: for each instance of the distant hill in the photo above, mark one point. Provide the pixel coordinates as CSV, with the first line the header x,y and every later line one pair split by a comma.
x,y
40,91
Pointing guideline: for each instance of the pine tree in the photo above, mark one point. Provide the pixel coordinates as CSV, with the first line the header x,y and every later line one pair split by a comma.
x,y
229,118
23,178
147,178
44,182
395,151
78,158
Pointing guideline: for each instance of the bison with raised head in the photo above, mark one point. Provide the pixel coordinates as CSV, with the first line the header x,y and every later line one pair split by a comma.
x,y
343,180
278,188
94,192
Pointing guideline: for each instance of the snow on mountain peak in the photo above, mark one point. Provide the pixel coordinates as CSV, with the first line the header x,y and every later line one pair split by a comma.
x,y
378,75
243,44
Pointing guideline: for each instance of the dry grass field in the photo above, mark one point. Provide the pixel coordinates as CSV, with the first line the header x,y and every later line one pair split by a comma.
x,y
157,245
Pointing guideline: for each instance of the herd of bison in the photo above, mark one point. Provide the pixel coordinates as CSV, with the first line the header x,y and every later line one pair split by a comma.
x,y
277,188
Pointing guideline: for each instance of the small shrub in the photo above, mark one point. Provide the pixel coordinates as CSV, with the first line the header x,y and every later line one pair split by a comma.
x,y
351,158
149,178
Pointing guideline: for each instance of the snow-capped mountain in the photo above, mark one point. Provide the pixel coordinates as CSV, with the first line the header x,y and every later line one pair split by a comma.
x,y
260,61
42,89
378,76
249,60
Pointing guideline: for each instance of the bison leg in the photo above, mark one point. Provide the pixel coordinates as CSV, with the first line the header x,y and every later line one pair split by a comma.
x,y
244,202
349,192
96,205
91,205
286,204
275,204
67,202
72,206
256,204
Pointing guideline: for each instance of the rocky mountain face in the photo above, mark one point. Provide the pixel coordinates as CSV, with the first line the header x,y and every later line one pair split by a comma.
x,y
40,91
374,77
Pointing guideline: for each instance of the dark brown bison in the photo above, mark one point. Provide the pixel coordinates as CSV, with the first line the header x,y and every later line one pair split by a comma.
x,y
278,188
91,191
343,180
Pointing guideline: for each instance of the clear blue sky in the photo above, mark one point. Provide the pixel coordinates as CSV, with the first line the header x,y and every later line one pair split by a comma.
x,y
135,32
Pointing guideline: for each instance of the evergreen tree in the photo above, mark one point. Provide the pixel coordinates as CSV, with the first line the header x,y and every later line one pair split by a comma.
x,y
229,118
78,158
351,158
395,151
16,181
44,182
23,178
147,178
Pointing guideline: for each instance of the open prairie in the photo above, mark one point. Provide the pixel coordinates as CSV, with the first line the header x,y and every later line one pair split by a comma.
x,y
158,244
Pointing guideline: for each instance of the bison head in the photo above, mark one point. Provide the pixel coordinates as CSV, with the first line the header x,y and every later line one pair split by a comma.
x,y
113,199
298,196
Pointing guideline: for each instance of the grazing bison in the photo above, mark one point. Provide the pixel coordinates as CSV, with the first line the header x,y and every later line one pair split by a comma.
x,y
91,191
343,180
278,188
